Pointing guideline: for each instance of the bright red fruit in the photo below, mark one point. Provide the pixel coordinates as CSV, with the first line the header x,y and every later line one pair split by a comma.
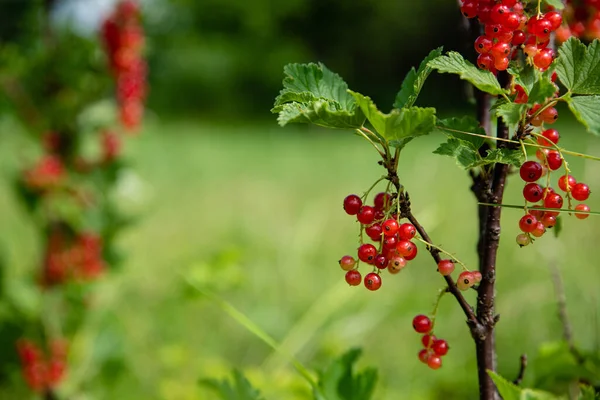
x,y
353,277
390,227
531,171
422,324
445,267
582,207
564,180
367,253
434,362
366,215
382,201
528,223
407,231
532,192
440,347
580,191
352,204
372,281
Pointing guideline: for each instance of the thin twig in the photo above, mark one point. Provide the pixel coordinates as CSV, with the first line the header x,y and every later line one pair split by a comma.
x,y
522,368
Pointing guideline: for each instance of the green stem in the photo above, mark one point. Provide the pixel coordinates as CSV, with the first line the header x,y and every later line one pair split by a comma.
x,y
559,210
443,251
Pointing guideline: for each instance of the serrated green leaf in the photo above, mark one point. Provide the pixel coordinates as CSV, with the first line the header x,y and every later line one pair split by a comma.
x,y
557,4
465,124
525,77
587,393
313,94
414,81
239,389
507,390
399,126
464,153
587,110
339,382
541,90
504,156
511,113
578,66
454,63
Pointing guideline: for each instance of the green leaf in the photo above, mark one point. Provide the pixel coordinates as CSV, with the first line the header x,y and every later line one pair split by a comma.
x,y
586,110
525,77
511,113
504,156
399,126
239,389
557,4
467,156
414,81
507,390
339,382
313,94
578,66
454,63
587,393
542,89
453,127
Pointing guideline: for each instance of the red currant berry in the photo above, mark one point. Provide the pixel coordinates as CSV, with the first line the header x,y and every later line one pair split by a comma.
x,y
523,240
531,171
352,204
554,160
528,223
501,63
445,267
548,220
374,232
422,324
390,227
555,19
465,280
477,276
404,247
395,264
500,50
366,215
483,44
428,340
382,201
407,231
539,230
372,281
512,21
498,13
347,263
582,207
509,3
381,261
353,277
390,242
554,200
424,355
543,58
532,192
469,9
518,38
536,213
549,115
566,183
434,362
367,253
580,191
412,254
440,347
550,135
485,61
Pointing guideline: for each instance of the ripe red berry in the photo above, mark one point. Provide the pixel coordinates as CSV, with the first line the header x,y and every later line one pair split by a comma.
x,y
539,230
372,281
550,135
407,231
580,191
374,232
485,61
434,362
554,160
382,201
483,44
553,200
532,192
531,171
395,264
366,215
347,263
424,355
390,242
422,324
440,347
367,253
555,19
352,204
582,207
549,115
518,38
381,261
353,277
501,63
469,9
566,183
412,254
543,58
445,267
404,247
528,223
428,340
390,227
548,220
465,280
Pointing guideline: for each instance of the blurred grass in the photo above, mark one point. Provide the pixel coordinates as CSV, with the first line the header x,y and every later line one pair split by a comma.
x,y
254,212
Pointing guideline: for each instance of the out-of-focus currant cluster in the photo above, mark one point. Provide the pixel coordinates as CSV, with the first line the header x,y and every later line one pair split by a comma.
x,y
508,27
582,20
123,36
42,371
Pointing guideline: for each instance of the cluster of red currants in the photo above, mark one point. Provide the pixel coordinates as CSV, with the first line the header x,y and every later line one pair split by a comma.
x,y
41,371
47,173
535,222
66,258
433,348
393,240
123,36
466,279
582,20
506,27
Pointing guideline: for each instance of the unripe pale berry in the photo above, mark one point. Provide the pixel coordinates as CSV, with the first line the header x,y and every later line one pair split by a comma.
x,y
347,263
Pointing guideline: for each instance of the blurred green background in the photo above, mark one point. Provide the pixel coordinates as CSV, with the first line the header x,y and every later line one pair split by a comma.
x,y
253,212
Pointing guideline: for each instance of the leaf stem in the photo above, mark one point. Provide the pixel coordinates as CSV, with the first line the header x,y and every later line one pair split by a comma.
x,y
364,135
454,258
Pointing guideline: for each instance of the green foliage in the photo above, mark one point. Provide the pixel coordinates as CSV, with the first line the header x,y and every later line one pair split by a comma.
x,y
467,156
454,126
454,63
414,81
542,89
400,126
585,109
313,94
510,391
511,113
239,389
578,66
340,382
557,4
